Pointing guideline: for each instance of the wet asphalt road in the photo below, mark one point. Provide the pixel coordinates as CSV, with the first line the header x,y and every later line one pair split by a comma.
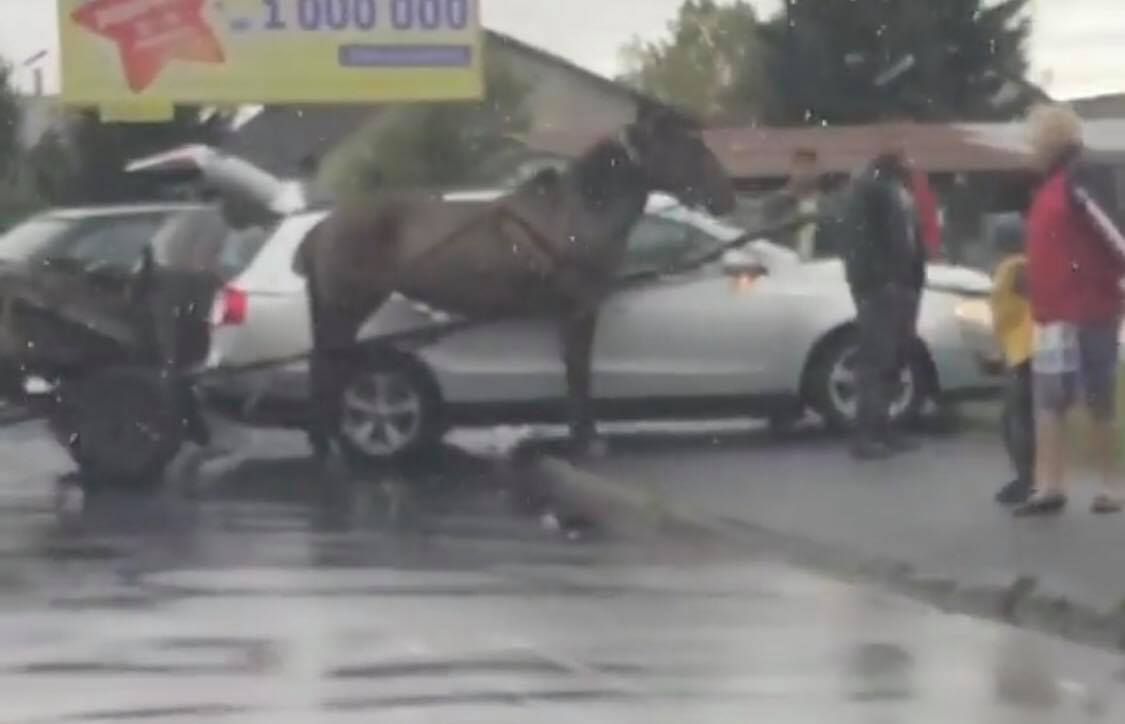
x,y
277,593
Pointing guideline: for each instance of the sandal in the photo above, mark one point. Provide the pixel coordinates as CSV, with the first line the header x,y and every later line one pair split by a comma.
x,y
1040,505
1105,504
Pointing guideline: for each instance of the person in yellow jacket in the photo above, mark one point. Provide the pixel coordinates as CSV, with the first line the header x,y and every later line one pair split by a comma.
x,y
1013,326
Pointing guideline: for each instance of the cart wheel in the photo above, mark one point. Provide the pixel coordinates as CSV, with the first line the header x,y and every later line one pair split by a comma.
x,y
127,427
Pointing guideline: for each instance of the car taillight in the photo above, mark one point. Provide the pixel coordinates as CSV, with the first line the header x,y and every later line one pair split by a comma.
x,y
230,307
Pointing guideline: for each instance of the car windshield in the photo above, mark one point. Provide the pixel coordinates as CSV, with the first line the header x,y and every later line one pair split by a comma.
x,y
703,237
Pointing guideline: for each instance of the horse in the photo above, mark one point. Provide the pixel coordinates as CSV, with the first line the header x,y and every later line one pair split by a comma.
x,y
550,247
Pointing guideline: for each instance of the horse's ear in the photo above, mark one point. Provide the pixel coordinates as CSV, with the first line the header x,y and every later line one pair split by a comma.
x,y
653,118
646,128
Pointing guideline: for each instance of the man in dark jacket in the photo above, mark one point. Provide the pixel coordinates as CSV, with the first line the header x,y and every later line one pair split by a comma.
x,y
885,261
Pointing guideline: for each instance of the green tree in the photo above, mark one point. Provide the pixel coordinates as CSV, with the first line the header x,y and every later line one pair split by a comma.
x,y
432,144
712,63
955,58
9,124
50,169
16,199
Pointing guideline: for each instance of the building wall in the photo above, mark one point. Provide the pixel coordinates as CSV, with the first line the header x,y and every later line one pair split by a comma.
x,y
1101,107
561,98
280,138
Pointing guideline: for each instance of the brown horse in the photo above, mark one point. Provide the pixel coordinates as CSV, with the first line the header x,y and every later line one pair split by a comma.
x,y
551,247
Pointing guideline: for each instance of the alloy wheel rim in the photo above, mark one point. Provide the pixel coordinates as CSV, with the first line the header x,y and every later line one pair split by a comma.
x,y
382,414
843,388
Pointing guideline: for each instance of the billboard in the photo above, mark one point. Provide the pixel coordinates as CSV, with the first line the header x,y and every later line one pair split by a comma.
x,y
127,52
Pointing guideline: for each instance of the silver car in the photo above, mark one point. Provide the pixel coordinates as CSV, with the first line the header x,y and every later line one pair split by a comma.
x,y
757,334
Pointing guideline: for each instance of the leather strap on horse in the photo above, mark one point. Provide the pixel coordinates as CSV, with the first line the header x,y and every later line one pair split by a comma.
x,y
541,243
495,216
717,253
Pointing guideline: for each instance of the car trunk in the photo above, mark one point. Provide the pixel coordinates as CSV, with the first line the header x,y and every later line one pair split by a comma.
x,y
247,194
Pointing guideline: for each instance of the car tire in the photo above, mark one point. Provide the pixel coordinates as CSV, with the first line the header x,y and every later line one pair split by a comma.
x,y
391,411
832,391
122,426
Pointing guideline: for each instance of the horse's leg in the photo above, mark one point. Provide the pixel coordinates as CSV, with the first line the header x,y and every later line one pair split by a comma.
x,y
578,331
334,329
320,426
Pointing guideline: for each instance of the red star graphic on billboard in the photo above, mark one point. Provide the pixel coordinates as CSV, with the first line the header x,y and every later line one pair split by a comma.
x,y
152,33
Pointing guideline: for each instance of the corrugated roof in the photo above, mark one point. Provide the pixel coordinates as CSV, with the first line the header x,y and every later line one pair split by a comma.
x,y
1104,137
766,152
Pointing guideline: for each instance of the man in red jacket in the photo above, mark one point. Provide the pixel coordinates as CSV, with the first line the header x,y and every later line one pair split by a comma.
x,y
926,204
1076,261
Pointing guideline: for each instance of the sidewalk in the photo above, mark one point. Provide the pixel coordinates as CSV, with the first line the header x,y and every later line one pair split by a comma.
x,y
929,513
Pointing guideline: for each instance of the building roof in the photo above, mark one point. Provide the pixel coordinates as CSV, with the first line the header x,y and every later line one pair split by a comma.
x,y
1103,137
1109,105
766,152
608,84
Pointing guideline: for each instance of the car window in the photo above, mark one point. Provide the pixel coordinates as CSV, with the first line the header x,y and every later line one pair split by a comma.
x,y
114,241
240,248
29,238
656,242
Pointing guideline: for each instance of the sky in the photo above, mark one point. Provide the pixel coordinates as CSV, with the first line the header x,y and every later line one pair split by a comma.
x,y
1078,48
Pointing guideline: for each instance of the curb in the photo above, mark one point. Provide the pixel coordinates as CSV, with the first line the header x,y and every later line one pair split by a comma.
x,y
622,510
625,509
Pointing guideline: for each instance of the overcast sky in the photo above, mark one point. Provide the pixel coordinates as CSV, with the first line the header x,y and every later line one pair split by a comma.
x,y
1079,44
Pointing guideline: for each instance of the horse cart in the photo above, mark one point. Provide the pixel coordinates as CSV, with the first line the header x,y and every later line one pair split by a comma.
x,y
105,313
101,352
108,348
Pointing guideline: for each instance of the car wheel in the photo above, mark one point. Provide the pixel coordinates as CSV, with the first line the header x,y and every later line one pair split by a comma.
x,y
834,390
391,410
122,426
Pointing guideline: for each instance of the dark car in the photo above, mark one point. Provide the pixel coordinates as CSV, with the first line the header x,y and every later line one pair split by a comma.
x,y
100,309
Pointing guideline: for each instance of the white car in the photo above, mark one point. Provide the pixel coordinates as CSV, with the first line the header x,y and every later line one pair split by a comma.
x,y
757,334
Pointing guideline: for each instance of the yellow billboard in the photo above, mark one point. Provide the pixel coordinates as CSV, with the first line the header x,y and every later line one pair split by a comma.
x,y
269,51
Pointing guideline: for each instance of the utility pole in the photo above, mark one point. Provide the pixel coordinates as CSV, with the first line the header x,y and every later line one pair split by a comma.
x,y
32,62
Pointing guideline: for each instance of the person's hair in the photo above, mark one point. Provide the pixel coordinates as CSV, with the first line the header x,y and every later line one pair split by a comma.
x,y
892,163
1053,129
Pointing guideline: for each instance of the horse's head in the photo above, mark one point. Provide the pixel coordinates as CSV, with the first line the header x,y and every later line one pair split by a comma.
x,y
668,146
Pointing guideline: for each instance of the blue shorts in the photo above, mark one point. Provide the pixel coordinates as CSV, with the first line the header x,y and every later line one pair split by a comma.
x,y
1095,376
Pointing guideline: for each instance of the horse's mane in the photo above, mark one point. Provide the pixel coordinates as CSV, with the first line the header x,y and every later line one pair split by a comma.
x,y
605,153
603,169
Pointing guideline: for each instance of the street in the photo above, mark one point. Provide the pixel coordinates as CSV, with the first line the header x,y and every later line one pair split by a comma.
x,y
274,592
929,514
